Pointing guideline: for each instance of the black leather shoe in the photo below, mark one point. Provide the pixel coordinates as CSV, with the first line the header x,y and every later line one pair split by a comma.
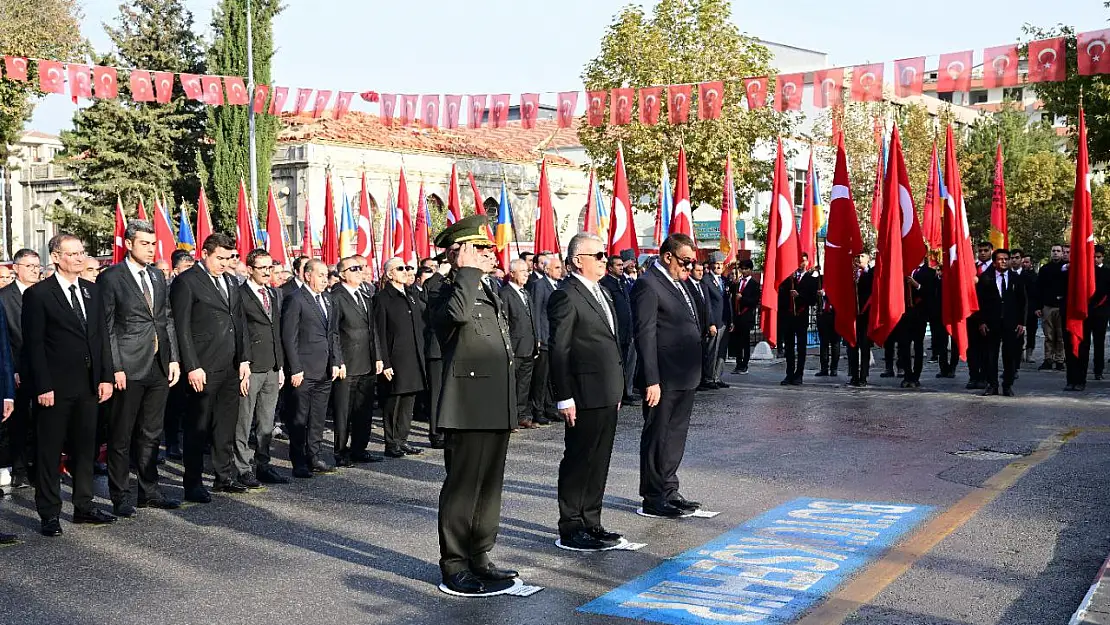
x,y
94,516
438,442
303,473
270,475
199,494
721,385
665,510
365,456
1069,388
410,450
796,381
249,479
394,453
8,539
1045,366
490,573
124,510
232,488
51,527
821,374
991,390
584,540
1060,366
344,461
786,381
322,467
161,504
541,421
603,535
1080,387
20,481
706,387
1008,391
854,383
630,401
467,583
684,504
886,374
907,384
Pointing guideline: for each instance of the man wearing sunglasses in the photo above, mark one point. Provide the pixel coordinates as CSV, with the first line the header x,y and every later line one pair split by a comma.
x,y
668,340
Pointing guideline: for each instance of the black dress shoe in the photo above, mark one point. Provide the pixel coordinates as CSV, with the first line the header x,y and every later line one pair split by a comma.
x,y
199,494
8,539
684,504
410,450
907,384
785,381
394,453
95,516
541,421
1045,366
706,387
1080,387
991,390
20,481
303,473
941,374
51,527
665,510
365,456
603,535
124,510
343,461
821,374
721,385
232,488
1069,388
583,540
630,401
162,503
1008,391
886,374
269,475
249,479
320,466
491,573
796,381
1060,366
438,442
467,583
854,383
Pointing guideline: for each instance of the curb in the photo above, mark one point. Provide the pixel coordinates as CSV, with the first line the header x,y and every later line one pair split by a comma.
x,y
1095,607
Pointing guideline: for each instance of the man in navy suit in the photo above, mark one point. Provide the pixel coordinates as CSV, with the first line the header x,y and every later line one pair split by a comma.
x,y
668,340
620,290
1001,328
543,407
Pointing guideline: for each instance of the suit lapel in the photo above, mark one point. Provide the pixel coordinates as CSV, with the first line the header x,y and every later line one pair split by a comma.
x,y
310,296
63,301
592,301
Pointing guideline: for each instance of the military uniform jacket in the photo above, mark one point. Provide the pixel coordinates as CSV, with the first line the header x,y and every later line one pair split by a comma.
x,y
478,390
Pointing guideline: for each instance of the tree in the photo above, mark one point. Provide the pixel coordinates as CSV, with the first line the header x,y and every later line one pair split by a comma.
x,y
684,41
229,125
1039,201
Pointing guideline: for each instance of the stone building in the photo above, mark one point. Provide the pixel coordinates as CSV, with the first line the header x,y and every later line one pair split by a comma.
x,y
31,185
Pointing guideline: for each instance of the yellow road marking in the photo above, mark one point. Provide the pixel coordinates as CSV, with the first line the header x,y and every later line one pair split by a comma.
x,y
866,586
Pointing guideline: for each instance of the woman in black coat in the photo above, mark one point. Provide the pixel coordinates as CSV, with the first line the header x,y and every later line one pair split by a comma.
x,y
399,319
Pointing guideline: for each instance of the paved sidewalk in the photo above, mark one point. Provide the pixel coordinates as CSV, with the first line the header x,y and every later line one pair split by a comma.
x,y
1095,609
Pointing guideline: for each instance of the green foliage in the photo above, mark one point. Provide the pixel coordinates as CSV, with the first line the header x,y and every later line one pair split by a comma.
x,y
229,125
684,41
1039,201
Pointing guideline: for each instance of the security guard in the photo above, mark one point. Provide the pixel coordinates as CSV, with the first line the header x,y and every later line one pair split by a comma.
x,y
477,409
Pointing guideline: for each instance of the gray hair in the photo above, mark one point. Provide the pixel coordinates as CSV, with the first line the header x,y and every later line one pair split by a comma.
x,y
517,264
576,243
55,244
135,226
311,265
392,264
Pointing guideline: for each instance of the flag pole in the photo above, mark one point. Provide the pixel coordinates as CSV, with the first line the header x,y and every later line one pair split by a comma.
x,y
253,155
512,217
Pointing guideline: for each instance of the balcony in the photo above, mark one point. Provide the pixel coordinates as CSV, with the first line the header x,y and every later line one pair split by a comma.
x,y
47,171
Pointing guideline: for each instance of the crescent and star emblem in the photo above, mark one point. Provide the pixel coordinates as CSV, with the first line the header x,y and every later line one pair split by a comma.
x,y
906,202
1097,43
1051,57
620,219
1000,63
908,75
954,69
680,101
786,219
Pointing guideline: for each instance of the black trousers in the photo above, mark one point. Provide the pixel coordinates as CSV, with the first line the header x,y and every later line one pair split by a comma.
x,y
397,419
540,393
1077,366
20,432
662,444
211,416
70,426
947,358
1096,334
470,500
352,400
741,342
1001,343
913,337
585,468
830,342
522,369
628,351
435,385
794,339
891,347
1031,323
134,430
859,357
177,407
310,411
978,352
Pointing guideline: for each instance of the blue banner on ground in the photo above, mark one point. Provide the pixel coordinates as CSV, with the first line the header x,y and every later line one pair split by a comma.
x,y
769,570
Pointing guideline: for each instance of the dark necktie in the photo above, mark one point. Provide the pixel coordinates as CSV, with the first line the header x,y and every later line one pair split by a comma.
x,y
1003,283
360,302
75,301
149,302
220,287
265,300
323,310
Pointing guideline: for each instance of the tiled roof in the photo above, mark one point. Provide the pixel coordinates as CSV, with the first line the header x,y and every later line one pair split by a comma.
x,y
512,143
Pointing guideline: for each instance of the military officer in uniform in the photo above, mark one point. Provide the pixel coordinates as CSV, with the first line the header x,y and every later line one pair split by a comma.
x,y
477,409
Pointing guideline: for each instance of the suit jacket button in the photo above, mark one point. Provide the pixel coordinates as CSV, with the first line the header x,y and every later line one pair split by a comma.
x,y
471,374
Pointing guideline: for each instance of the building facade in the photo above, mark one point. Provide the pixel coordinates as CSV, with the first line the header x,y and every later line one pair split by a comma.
x,y
33,184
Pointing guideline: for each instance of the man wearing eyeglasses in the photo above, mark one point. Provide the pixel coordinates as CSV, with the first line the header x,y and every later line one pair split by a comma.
x,y
588,378
27,268
352,396
668,340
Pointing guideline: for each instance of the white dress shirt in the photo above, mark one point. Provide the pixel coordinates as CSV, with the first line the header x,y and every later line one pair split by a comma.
x,y
593,288
65,284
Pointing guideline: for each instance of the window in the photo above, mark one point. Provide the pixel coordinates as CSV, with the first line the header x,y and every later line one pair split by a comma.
x,y
978,97
945,96
799,187
491,205
1014,94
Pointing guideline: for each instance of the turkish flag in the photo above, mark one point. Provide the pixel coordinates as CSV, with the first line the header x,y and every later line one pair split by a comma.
x,y
80,84
244,225
191,84
931,225
595,112
260,94
546,236
1093,55
756,91
429,110
958,296
213,90
1000,66
620,107
408,108
788,93
275,230
622,230
342,104
682,217
909,75
1081,267
843,243
529,108
1047,60
678,103
954,73
277,100
323,96
15,68
477,111
163,87
236,91
710,97
828,87
782,256
499,110
650,100
568,102
888,295
51,77
105,83
867,83
119,250
913,241
452,106
142,89
300,105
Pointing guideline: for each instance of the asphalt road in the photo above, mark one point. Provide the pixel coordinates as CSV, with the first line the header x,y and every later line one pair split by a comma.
x,y
360,546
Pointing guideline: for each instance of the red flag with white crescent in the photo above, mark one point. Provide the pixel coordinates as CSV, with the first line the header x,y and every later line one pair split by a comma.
x,y
867,83
277,100
15,68
236,91
547,236
51,77
329,243
421,245
429,110
452,107
163,87
931,215
244,225
499,110
261,92
1081,266
595,109
190,83
408,108
342,104
622,231
954,72
454,205
909,76
958,299
650,101
213,90
140,210
1092,53
678,103
808,226
204,219
1047,60
165,243
119,251
888,295
80,84
275,230
142,88
782,256
710,97
387,106
300,104
620,107
529,109
568,103
320,104
105,84
1000,66
756,91
682,220
828,87
843,243
364,242
788,92
477,110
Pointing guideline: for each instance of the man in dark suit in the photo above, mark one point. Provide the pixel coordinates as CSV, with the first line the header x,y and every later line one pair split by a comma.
x,y
352,396
1099,312
20,428
826,334
296,282
746,296
310,339
713,294
477,409
7,392
399,322
215,353
543,407
920,287
144,349
1078,364
796,294
522,332
433,358
1002,309
262,317
537,263
620,289
714,277
588,382
859,356
668,340
70,362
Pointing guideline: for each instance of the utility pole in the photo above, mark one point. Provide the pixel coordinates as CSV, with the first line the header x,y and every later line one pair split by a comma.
x,y
250,112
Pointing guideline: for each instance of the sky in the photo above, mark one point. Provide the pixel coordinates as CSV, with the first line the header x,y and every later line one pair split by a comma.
x,y
502,46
